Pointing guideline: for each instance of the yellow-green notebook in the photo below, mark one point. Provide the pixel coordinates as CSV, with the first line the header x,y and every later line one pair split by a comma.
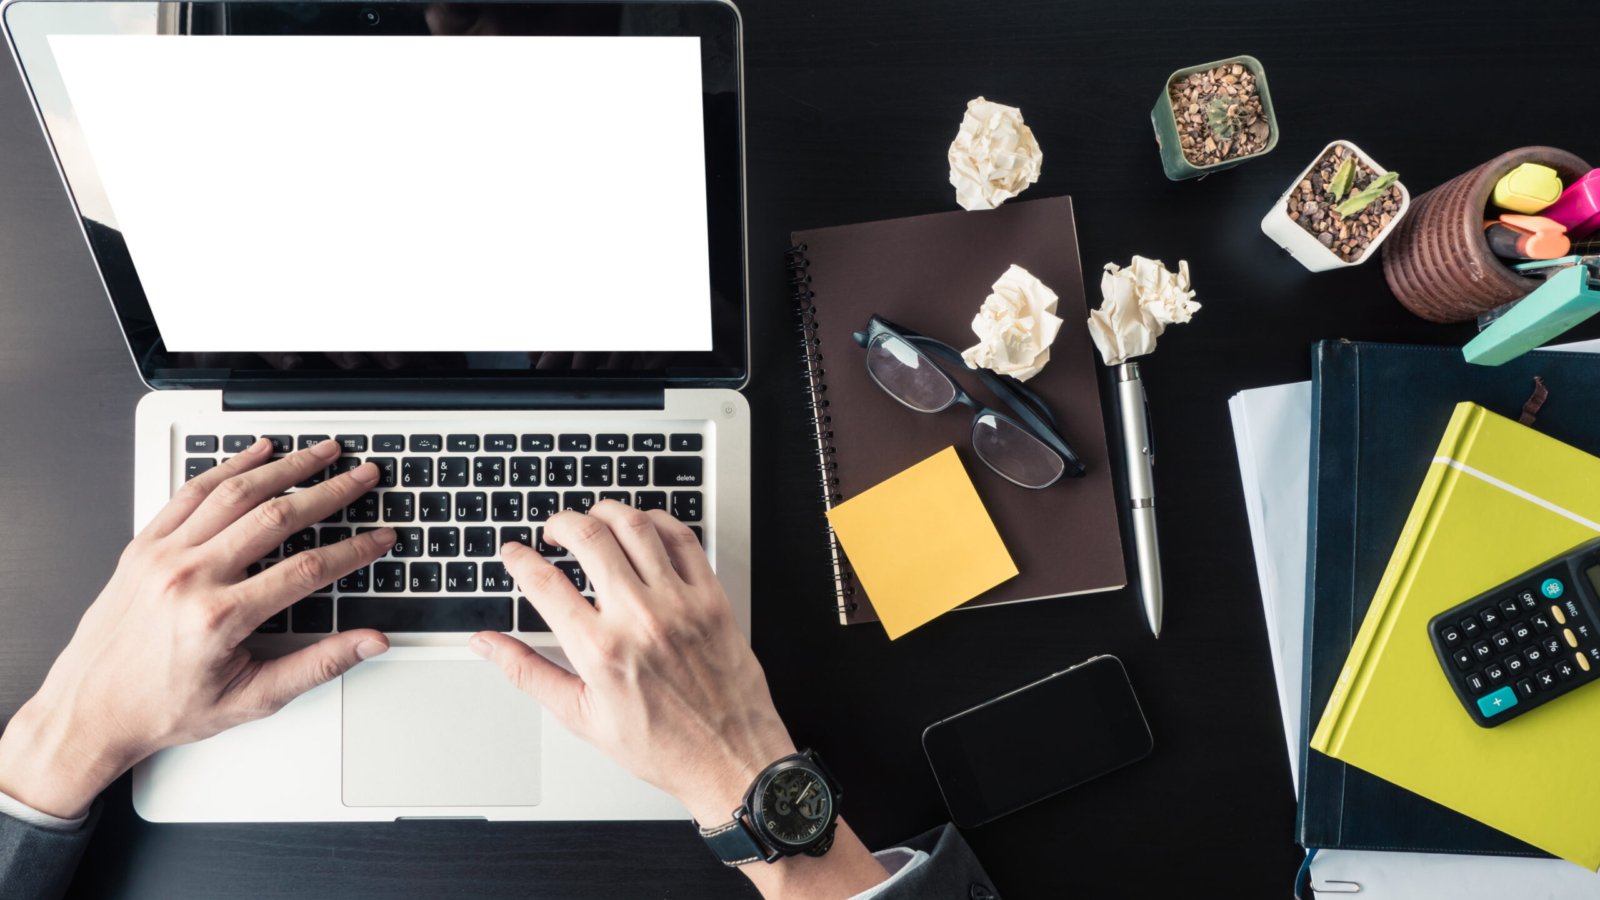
x,y
1498,499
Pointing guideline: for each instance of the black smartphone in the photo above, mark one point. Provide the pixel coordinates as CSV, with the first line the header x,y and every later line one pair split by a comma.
x,y
1037,741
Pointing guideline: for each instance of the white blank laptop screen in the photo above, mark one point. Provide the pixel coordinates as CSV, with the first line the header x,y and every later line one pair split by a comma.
x,y
373,193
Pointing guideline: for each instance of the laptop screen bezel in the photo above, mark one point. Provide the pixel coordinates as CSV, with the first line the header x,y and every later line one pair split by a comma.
x,y
717,25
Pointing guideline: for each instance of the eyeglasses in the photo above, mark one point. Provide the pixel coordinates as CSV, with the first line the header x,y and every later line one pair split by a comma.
x,y
1027,449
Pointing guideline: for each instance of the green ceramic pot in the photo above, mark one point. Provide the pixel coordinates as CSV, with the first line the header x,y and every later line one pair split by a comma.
x,y
1173,162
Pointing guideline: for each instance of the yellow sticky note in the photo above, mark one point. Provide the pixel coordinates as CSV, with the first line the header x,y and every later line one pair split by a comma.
x,y
921,543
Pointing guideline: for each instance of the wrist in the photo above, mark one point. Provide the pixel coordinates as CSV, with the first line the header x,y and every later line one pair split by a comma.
x,y
53,766
720,789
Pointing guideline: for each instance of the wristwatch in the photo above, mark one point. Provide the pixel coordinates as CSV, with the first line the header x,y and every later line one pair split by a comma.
x,y
792,808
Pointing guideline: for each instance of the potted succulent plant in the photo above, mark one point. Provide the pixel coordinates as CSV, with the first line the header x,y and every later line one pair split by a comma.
x,y
1214,116
1338,210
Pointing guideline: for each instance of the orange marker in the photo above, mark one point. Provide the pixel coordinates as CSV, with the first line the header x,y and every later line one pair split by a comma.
x,y
1517,236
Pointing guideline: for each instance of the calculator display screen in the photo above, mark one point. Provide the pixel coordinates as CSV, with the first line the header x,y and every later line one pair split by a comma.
x,y
1593,573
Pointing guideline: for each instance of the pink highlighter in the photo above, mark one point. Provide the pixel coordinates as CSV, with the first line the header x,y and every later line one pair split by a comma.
x,y
1579,206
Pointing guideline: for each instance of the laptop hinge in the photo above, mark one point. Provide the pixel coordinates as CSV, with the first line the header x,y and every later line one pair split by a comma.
x,y
434,397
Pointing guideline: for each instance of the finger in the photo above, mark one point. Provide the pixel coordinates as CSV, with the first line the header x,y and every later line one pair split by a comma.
x,y
530,672
683,548
197,489
569,616
639,539
263,596
596,548
280,680
241,493
255,534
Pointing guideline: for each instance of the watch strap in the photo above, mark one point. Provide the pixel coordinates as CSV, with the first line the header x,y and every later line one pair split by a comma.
x,y
733,843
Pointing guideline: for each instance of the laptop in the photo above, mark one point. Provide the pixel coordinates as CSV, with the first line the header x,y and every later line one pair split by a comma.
x,y
496,248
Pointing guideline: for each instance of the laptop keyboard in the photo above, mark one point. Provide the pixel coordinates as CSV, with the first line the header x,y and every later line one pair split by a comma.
x,y
453,500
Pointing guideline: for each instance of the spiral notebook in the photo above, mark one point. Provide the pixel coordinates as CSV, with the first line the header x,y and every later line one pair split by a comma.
x,y
930,274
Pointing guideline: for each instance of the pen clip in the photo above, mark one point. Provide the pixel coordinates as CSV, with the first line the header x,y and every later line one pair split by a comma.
x,y
1149,426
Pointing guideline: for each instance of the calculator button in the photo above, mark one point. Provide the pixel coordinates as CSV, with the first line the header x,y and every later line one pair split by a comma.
x,y
1490,617
1496,703
1545,679
1495,673
1502,641
1522,632
1571,639
1476,683
1482,650
1451,635
1509,607
1552,588
1528,600
1514,665
1525,689
1551,645
1470,627
1534,655
1463,659
1539,622
1565,670
1583,661
1561,617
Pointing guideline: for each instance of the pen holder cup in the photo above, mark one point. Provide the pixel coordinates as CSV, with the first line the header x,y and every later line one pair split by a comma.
x,y
1438,263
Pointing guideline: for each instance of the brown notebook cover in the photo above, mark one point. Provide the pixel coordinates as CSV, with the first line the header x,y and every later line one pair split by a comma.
x,y
930,274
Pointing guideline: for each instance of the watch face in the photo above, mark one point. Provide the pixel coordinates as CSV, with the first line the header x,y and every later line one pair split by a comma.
x,y
795,806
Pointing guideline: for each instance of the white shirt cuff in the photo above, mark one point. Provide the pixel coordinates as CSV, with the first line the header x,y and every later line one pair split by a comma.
x,y
897,861
22,812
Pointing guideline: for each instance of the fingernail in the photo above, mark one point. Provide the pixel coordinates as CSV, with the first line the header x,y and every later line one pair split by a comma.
x,y
369,648
383,537
366,473
262,445
326,448
479,646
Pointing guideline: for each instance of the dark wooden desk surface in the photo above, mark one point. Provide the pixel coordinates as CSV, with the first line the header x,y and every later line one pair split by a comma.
x,y
851,106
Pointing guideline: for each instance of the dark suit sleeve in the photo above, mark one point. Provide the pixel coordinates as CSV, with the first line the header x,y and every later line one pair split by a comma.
x,y
38,862
951,872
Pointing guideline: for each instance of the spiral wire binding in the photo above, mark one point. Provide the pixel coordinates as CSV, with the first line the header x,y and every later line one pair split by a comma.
x,y
827,465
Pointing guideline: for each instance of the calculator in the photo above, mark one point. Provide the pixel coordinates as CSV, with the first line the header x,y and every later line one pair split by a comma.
x,y
1527,642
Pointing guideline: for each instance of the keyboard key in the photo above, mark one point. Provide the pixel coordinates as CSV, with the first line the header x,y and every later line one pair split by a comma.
x,y
699,534
313,615
479,542
314,479
461,577
542,505
1501,640
281,443
545,548
1525,688
278,624
344,464
1560,617
686,506
1528,600
574,443
633,471
597,471
489,471
408,543
611,443
1470,628
388,470
426,443
650,500
524,471
1476,683
1510,608
434,506
201,443
1482,650
1551,645
1521,632
1539,622
1463,659
653,442
1565,670
1490,617
1496,674
444,541
197,465
237,443
327,537
1450,634
538,443
299,542
351,443
354,583
425,614
623,497
1534,655
1514,665
389,577
1545,679
579,501
505,506
399,506
574,573
496,578
500,443
1497,702
516,534
416,471
311,440
424,578
471,506
690,443
363,509
462,443
528,618
678,470
389,443
453,471
561,471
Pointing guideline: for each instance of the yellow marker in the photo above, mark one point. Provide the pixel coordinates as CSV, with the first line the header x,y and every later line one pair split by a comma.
x,y
1583,661
1561,617
1572,639
1528,188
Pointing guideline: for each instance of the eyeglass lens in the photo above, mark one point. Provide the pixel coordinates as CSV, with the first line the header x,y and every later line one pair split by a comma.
x,y
1014,452
898,368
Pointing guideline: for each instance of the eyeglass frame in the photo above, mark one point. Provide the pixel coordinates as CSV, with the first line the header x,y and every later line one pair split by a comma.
x,y
1036,418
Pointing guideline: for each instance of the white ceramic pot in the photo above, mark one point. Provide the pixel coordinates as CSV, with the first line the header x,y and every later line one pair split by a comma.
x,y
1302,244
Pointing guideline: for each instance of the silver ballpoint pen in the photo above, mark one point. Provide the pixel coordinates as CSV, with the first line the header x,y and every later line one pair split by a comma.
x,y
1135,413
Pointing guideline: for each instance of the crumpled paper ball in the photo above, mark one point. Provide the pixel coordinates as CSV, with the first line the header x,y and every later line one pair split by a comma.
x,y
1140,302
994,156
1015,326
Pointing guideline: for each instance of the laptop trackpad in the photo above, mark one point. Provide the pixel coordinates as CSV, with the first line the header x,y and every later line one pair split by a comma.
x,y
438,733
